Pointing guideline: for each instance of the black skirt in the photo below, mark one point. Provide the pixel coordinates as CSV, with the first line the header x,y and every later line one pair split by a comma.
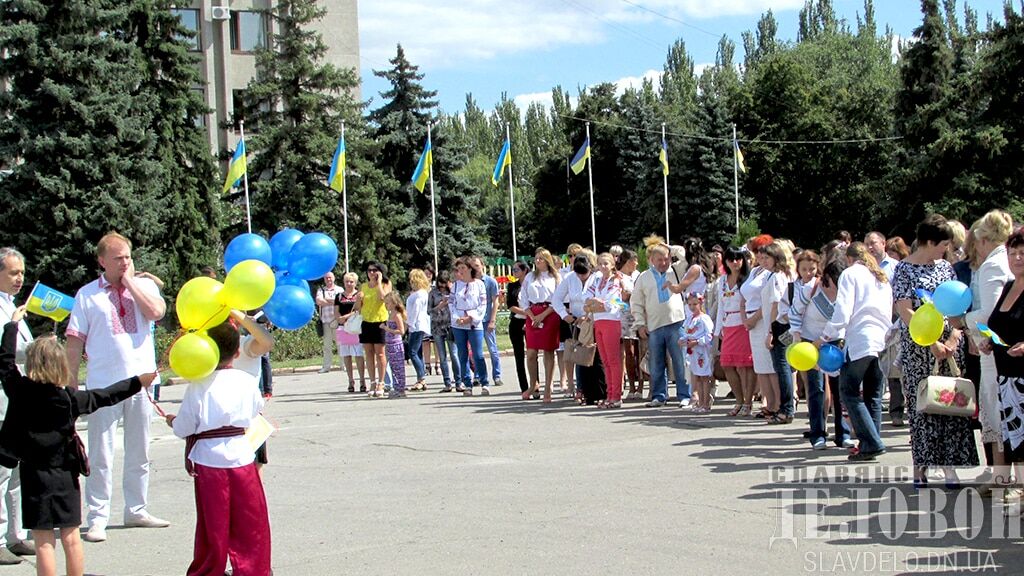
x,y
371,333
50,498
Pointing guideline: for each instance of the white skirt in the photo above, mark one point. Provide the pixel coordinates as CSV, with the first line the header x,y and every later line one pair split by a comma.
x,y
988,403
353,350
762,355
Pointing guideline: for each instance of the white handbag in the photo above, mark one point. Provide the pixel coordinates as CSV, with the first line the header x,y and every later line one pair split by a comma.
x,y
947,395
354,324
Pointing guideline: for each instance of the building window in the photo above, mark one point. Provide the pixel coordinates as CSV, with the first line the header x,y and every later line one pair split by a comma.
x,y
248,31
200,119
190,21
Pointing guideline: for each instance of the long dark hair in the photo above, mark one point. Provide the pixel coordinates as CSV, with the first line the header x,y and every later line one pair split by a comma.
x,y
734,253
695,254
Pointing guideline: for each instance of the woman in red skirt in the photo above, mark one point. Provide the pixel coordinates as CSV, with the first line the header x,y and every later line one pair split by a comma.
x,y
736,358
542,323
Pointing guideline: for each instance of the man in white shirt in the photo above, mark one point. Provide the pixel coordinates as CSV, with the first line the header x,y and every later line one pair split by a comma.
x,y
13,538
875,243
328,320
110,321
658,314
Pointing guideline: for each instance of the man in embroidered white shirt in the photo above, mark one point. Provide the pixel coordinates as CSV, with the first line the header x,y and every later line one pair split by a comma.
x,y
13,538
110,321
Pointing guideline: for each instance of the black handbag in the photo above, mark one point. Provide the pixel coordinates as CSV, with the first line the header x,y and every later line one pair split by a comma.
x,y
76,458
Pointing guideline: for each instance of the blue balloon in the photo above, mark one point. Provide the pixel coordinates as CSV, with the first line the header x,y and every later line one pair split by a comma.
x,y
286,279
313,256
952,298
830,358
291,307
246,247
281,246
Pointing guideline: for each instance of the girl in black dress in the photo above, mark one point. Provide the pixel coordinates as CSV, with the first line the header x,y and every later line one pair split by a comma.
x,y
46,444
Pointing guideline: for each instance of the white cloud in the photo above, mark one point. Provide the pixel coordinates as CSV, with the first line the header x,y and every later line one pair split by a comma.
x,y
450,33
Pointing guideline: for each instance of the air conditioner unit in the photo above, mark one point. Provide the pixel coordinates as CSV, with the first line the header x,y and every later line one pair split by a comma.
x,y
221,13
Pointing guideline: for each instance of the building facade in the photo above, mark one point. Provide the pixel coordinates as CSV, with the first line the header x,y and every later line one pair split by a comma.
x,y
228,32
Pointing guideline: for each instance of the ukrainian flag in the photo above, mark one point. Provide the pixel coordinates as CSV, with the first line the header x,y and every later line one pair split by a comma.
x,y
422,172
739,156
579,161
504,159
337,167
663,156
236,169
47,302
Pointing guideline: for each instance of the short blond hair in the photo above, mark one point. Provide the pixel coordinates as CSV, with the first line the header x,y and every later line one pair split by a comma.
x,y
46,362
995,226
109,238
418,280
350,276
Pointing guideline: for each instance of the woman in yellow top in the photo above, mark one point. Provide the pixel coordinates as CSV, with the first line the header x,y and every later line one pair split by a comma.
x,y
371,305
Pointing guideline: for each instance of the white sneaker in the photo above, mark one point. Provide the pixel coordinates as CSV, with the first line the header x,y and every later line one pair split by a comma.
x,y
819,444
655,404
95,534
145,520
849,443
684,403
485,391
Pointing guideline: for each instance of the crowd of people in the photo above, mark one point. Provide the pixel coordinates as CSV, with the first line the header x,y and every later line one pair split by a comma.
x,y
697,316
692,318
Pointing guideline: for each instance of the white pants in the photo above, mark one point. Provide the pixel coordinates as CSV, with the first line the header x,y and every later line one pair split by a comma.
x,y
11,531
330,344
137,412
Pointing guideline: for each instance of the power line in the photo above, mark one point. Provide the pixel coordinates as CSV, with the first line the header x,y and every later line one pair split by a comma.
x,y
672,19
729,140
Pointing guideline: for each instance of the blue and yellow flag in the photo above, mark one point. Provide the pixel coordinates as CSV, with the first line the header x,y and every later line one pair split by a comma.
x,y
579,161
236,169
663,156
334,180
504,159
422,172
47,302
739,156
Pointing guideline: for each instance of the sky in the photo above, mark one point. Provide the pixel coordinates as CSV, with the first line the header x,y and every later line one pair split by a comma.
x,y
524,48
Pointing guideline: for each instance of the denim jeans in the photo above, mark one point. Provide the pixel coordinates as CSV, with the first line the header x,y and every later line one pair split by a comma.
x,y
785,373
463,340
416,353
659,342
864,407
490,338
816,409
445,353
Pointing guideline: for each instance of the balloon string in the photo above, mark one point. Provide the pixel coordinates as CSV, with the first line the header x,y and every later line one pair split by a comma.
x,y
156,406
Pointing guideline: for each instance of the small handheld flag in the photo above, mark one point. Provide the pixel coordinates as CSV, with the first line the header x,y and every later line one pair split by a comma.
x,y
663,157
422,172
334,180
237,167
504,159
620,303
579,161
924,295
739,156
49,303
988,333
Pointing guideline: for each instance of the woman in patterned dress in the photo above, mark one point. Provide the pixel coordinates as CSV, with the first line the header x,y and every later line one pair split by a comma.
x,y
935,440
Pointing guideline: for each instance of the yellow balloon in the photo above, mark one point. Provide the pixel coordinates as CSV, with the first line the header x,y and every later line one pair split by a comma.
x,y
199,306
802,356
194,356
926,325
249,285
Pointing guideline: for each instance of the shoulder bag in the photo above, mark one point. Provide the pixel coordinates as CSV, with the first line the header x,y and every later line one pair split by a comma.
x,y
947,395
577,350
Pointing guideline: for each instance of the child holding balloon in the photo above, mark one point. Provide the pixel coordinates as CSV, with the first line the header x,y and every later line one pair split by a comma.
x,y
699,333
394,328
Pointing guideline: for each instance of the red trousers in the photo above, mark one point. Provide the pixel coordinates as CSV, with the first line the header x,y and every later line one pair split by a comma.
x,y
231,522
607,334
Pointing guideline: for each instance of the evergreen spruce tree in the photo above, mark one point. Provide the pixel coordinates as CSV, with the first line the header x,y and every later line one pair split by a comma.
x,y
293,110
76,136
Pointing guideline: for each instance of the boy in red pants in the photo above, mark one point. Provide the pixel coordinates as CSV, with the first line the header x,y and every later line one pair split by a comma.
x,y
231,507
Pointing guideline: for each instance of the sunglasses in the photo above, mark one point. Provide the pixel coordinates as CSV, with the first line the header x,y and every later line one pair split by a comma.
x,y
372,270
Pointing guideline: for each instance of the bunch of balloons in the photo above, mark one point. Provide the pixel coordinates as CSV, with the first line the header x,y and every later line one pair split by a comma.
x,y
804,356
951,298
269,274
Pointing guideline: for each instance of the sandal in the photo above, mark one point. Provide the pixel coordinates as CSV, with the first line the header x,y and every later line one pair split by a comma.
x,y
611,405
736,409
362,387
351,388
745,410
779,418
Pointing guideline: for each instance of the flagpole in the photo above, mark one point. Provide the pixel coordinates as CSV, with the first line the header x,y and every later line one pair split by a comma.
x,y
344,197
511,196
590,179
433,214
736,176
664,175
245,179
